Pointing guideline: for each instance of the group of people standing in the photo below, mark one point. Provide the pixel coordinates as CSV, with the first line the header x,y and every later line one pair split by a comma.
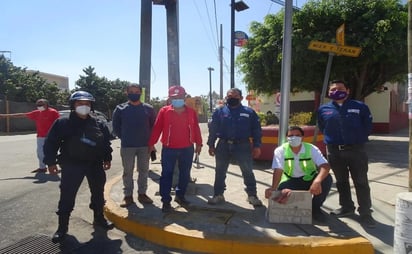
x,y
81,145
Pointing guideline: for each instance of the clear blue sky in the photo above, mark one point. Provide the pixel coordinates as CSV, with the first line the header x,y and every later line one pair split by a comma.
x,y
64,37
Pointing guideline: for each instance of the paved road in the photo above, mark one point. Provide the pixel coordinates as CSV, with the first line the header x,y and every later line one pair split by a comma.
x,y
28,201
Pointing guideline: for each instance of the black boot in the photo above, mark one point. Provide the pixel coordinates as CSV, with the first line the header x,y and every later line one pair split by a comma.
x,y
61,232
100,221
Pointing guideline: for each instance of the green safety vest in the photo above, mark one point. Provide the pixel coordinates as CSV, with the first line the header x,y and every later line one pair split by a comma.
x,y
305,161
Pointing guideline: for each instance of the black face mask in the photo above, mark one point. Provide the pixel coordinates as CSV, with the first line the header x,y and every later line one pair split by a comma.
x,y
133,97
232,101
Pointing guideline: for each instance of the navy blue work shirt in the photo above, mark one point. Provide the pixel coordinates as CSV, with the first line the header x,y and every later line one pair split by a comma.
x,y
350,123
239,123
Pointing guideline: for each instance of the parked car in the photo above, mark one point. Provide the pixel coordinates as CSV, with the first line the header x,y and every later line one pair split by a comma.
x,y
99,115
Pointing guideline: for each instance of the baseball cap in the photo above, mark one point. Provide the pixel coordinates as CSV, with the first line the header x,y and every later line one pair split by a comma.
x,y
176,90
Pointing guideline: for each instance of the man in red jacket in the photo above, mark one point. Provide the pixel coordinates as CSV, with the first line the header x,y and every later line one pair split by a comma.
x,y
179,127
44,117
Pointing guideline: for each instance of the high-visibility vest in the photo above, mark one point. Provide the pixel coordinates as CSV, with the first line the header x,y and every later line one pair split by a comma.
x,y
305,161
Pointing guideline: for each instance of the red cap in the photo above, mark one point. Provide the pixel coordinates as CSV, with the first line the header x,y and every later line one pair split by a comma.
x,y
176,90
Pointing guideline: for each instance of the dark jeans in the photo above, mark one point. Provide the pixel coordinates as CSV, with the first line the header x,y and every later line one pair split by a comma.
x,y
300,184
72,176
355,162
183,157
242,155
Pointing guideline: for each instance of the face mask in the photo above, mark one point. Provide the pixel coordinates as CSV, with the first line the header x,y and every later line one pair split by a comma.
x,y
232,101
41,108
294,141
178,103
83,110
338,95
133,97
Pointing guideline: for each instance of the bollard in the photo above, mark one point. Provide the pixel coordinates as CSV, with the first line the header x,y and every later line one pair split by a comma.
x,y
403,224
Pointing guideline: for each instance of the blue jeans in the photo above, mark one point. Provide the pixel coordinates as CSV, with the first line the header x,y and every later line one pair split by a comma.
x,y
183,157
242,155
300,184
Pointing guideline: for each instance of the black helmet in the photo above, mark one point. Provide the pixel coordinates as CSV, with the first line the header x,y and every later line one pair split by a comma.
x,y
80,96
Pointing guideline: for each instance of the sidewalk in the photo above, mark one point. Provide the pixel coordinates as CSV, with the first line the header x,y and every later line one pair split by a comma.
x,y
238,227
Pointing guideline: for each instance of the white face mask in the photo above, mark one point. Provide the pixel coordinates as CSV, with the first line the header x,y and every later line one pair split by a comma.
x,y
83,110
41,108
294,141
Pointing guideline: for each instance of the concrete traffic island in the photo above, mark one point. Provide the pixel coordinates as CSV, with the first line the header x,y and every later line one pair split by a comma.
x,y
234,227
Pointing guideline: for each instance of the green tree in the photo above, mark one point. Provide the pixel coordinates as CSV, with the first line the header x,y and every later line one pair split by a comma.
x,y
379,27
22,86
107,93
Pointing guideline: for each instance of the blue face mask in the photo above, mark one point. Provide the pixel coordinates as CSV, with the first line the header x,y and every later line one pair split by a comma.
x,y
133,97
178,103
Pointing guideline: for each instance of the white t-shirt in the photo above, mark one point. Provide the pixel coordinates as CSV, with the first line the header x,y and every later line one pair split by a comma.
x,y
279,159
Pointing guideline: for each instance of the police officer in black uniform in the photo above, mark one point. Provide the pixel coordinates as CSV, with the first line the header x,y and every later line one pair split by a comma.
x,y
80,144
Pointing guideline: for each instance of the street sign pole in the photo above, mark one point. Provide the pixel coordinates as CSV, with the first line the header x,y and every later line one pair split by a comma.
x,y
323,94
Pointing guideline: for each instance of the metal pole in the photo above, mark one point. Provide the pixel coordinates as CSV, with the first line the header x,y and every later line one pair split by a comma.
x,y
323,94
172,17
232,44
145,46
286,73
410,88
210,89
221,63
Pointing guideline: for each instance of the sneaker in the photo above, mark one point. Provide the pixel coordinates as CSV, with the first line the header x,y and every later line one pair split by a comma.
x,y
217,199
341,212
103,223
144,199
368,221
40,170
182,201
167,208
253,200
127,201
319,216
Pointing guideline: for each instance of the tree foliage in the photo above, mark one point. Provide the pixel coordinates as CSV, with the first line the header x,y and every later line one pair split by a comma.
x,y
107,93
379,27
19,85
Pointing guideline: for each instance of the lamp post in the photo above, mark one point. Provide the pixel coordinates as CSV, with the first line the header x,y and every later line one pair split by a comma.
x,y
210,69
238,6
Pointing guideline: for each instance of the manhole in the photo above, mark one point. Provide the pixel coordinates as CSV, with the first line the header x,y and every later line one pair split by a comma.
x,y
34,245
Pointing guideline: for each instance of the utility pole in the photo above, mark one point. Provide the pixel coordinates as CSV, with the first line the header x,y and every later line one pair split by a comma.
x,y
172,16
410,89
221,63
286,72
402,237
232,44
210,89
145,47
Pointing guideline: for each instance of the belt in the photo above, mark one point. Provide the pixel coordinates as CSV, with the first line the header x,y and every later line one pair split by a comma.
x,y
345,147
234,141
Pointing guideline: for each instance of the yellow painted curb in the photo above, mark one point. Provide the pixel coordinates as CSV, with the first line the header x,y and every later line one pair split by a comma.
x,y
175,236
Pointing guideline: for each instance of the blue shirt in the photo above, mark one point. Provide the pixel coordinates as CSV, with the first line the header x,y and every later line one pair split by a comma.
x,y
133,124
238,123
350,123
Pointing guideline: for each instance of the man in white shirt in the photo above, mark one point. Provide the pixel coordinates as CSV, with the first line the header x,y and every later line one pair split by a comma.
x,y
299,165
